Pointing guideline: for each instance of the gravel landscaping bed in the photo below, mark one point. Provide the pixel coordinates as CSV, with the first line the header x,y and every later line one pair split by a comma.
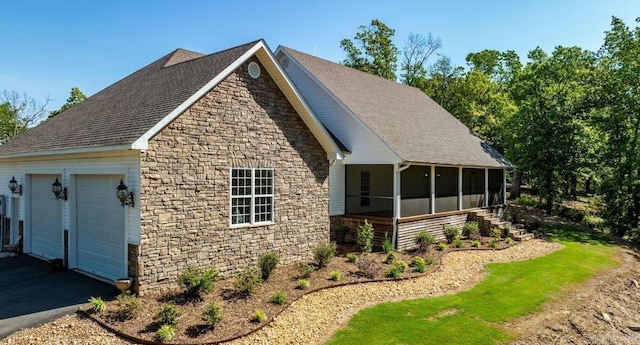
x,y
314,317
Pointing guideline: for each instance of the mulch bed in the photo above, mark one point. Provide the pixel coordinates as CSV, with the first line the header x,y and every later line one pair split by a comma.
x,y
238,310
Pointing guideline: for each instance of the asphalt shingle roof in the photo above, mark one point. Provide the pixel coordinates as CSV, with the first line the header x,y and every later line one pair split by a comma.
x,y
124,111
408,121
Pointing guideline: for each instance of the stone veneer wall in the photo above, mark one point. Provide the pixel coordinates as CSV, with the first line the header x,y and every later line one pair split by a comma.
x,y
185,177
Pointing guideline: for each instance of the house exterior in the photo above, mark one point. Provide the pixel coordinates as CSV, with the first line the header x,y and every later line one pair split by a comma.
x,y
409,165
217,157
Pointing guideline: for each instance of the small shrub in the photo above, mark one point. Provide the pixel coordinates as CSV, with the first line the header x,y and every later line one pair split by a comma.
x,y
475,244
323,253
397,269
306,270
431,261
278,298
335,276
424,239
441,246
165,333
458,243
418,264
259,316
247,281
169,315
509,240
593,222
352,257
368,267
451,233
195,281
527,201
212,314
492,244
401,265
387,245
267,263
340,232
496,234
128,305
97,305
303,284
364,236
471,230
391,257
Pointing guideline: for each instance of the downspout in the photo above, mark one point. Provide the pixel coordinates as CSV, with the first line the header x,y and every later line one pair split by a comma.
x,y
398,169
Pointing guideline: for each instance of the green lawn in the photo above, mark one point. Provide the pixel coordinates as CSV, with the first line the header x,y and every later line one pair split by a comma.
x,y
510,290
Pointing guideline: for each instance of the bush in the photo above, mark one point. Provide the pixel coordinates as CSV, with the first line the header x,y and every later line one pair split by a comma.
x,y
496,233
475,244
169,315
323,253
492,244
340,232
165,333
441,246
128,305
212,314
471,230
458,244
306,270
397,269
195,281
303,284
247,281
509,240
431,261
259,316
402,266
335,276
451,233
387,245
368,267
352,257
391,257
97,305
418,264
527,201
593,222
278,298
424,239
364,236
267,263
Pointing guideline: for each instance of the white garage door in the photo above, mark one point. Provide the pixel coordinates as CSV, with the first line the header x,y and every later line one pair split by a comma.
x,y
100,226
46,218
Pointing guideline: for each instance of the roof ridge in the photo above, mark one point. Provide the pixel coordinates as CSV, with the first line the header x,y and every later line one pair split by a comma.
x,y
205,55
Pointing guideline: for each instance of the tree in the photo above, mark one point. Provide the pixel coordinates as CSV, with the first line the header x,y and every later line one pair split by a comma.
x,y
76,96
417,50
18,113
372,50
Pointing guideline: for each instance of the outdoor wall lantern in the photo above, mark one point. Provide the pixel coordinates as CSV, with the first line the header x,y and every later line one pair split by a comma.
x,y
124,195
59,191
14,186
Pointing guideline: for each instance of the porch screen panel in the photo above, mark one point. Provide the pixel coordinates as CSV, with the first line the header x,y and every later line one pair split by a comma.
x,y
369,189
446,189
415,191
472,188
495,186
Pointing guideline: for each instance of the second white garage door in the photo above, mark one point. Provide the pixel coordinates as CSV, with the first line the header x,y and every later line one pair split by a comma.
x,y
101,243
46,218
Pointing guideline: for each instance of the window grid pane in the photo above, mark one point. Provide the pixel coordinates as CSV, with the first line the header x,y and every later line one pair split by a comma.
x,y
262,209
240,210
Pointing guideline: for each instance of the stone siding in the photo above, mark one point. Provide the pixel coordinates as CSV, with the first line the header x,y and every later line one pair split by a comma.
x,y
185,183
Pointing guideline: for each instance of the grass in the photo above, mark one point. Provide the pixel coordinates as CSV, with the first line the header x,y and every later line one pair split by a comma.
x,y
510,290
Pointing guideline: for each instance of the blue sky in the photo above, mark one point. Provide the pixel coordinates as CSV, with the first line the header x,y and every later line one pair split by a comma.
x,y
47,47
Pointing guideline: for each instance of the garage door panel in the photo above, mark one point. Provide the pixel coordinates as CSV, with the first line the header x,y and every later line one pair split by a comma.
x,y
46,218
100,226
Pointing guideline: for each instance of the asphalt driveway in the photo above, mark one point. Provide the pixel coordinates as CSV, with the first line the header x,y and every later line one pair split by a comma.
x,y
31,295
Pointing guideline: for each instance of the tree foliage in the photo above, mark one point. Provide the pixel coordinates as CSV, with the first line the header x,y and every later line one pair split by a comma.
x,y
76,96
18,113
417,50
372,50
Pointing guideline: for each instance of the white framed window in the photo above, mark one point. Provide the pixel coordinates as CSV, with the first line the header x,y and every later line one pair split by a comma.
x,y
251,196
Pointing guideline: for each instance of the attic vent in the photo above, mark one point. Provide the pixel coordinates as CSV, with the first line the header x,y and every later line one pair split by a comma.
x,y
284,62
254,70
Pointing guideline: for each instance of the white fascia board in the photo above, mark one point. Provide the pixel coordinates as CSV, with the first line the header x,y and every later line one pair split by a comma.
x,y
142,143
66,151
335,99
300,104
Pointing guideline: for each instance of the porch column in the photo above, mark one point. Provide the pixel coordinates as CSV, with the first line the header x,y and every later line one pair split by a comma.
x,y
486,187
459,188
504,186
432,199
396,202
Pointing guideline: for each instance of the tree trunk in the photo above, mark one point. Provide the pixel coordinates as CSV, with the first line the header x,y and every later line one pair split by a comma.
x,y
587,185
515,184
574,187
549,192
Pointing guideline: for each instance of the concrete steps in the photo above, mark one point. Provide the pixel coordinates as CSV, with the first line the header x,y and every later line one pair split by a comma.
x,y
488,220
